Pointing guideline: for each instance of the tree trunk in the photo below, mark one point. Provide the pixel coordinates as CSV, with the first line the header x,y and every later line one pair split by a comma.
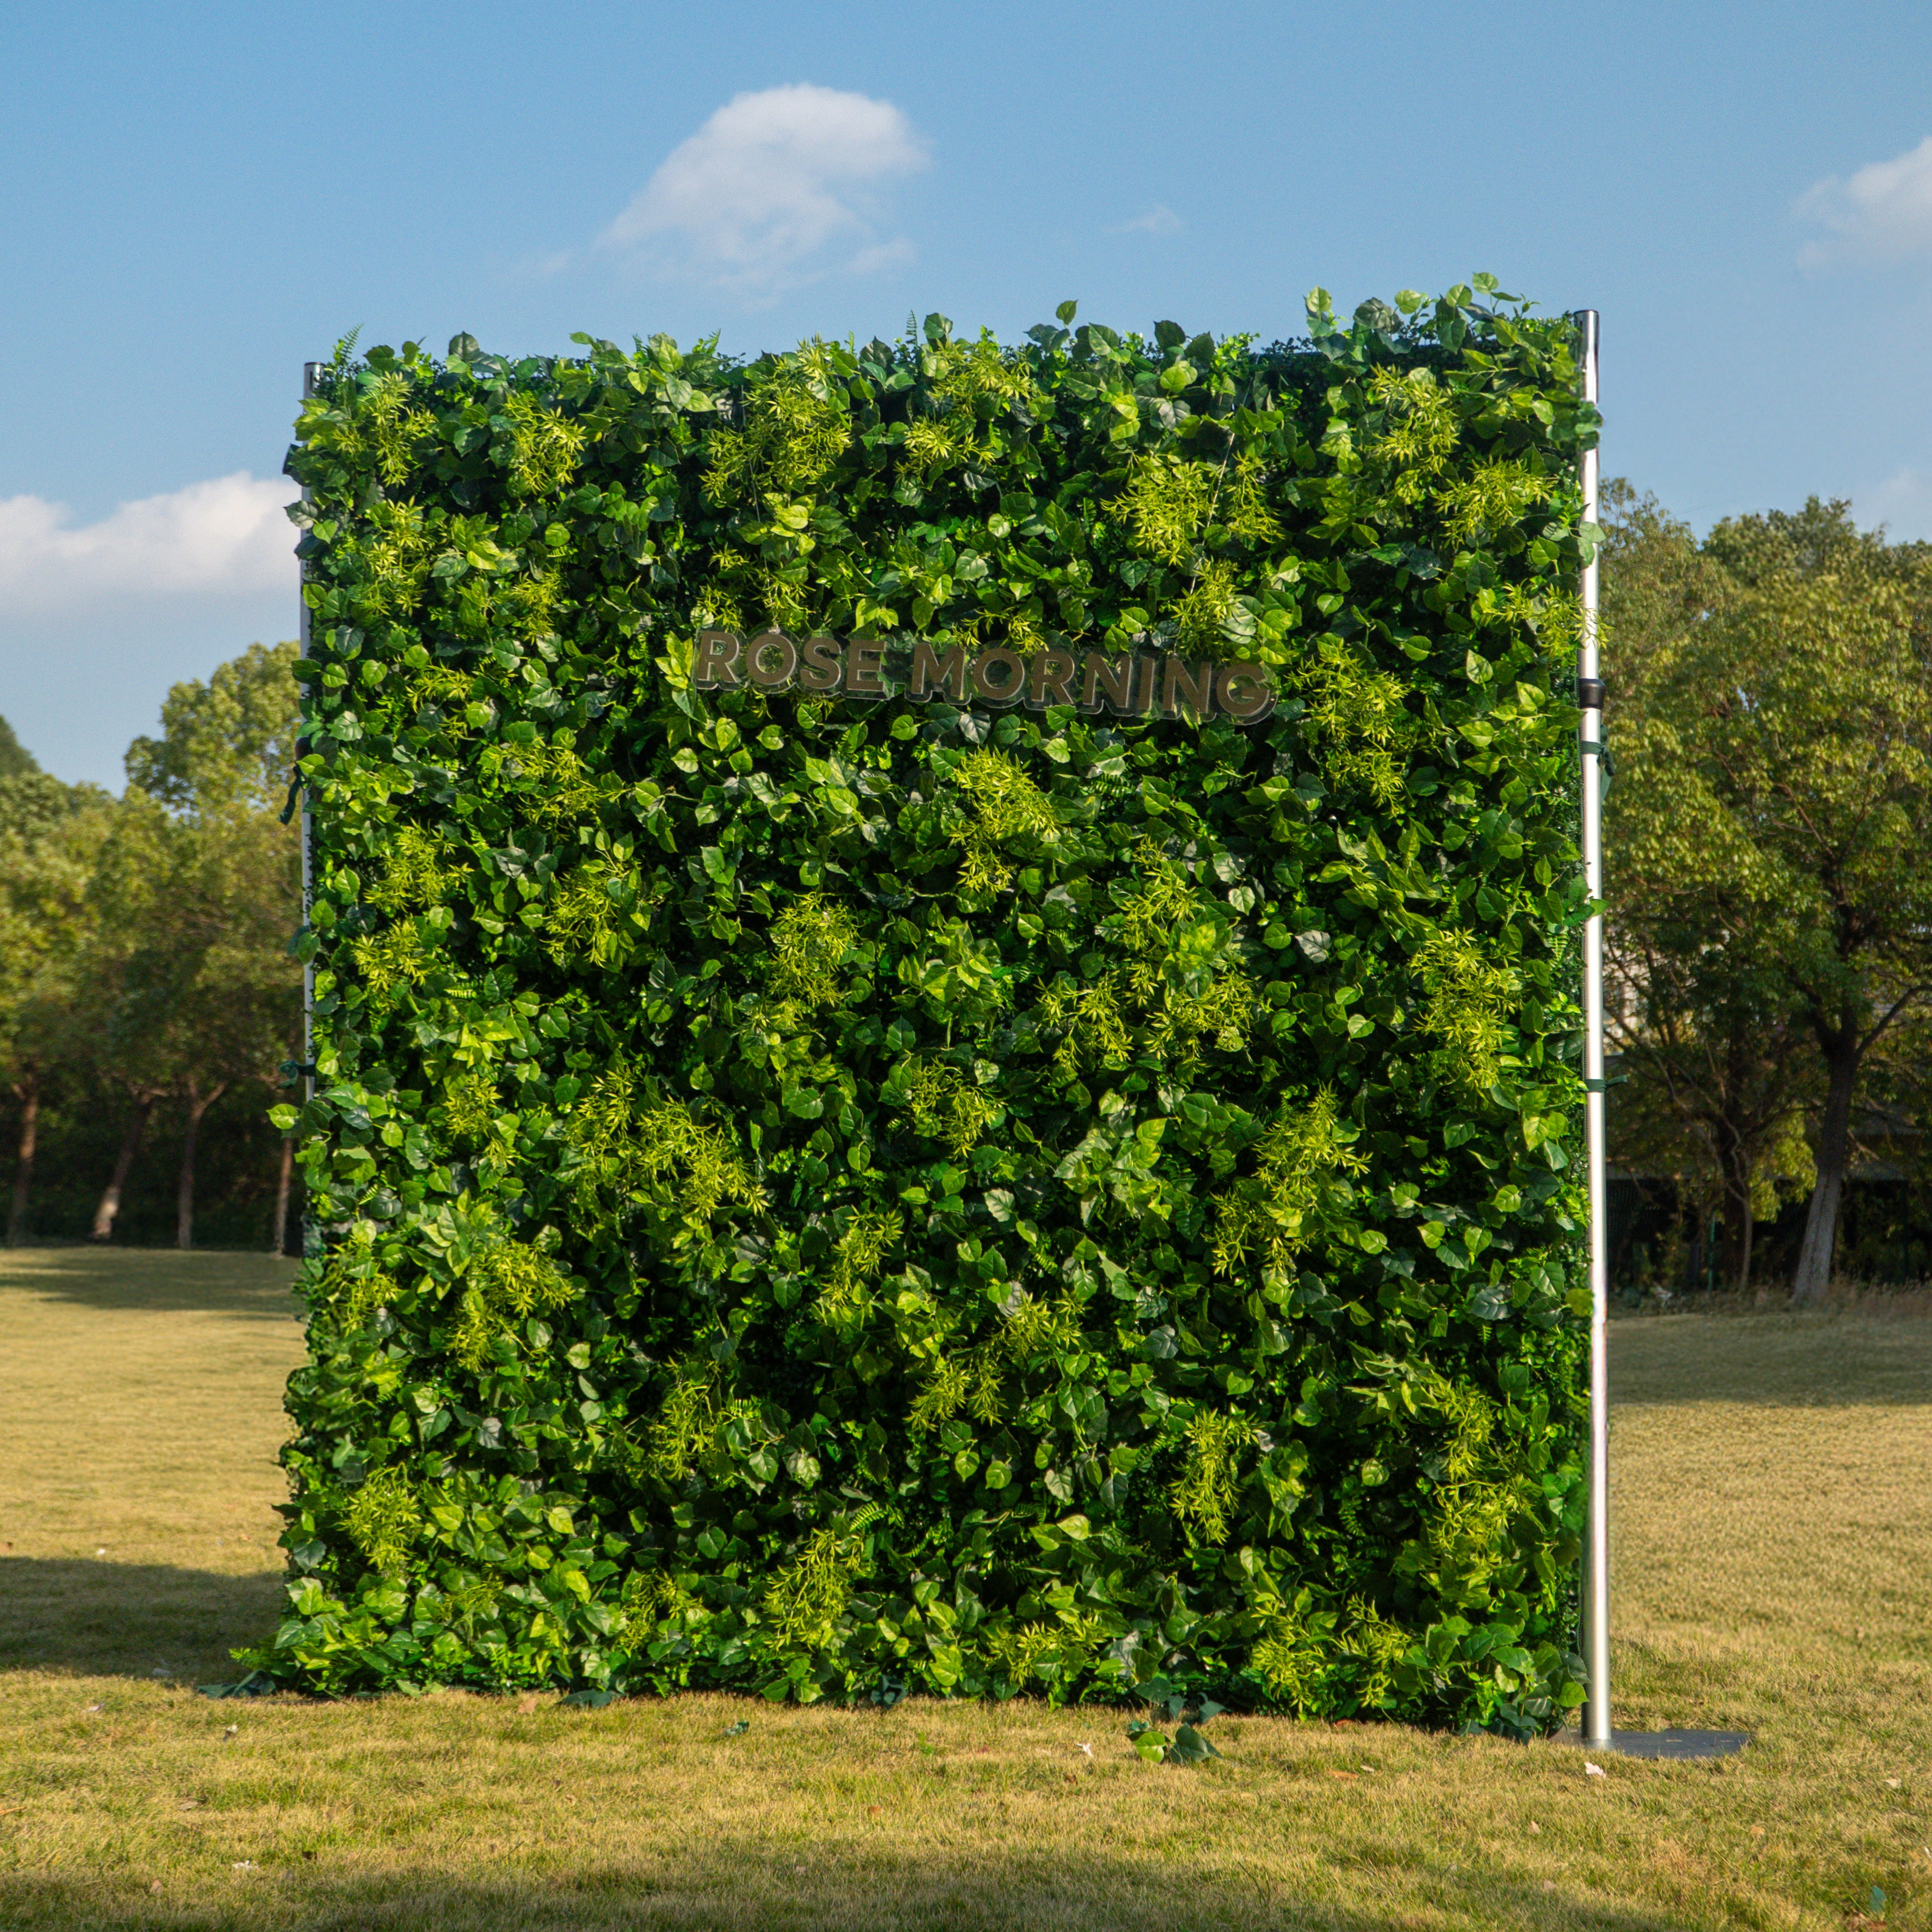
x,y
1834,1134
28,1090
198,1104
281,1239
1735,1216
141,1106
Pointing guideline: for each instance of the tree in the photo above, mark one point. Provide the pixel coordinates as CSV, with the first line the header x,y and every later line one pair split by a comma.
x,y
228,744
1719,1065
15,761
1827,741
207,992
49,833
138,966
196,893
1708,1037
1771,816
235,1018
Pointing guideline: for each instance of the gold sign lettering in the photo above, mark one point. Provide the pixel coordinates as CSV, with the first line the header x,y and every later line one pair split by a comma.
x,y
1128,684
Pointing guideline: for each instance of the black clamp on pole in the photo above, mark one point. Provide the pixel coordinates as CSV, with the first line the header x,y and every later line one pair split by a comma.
x,y
1589,694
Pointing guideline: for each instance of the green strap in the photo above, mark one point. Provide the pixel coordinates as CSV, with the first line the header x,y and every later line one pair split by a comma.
x,y
1600,748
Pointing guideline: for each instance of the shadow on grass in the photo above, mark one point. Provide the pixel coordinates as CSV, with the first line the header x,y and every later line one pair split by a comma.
x,y
723,1882
1776,1361
131,1619
156,1280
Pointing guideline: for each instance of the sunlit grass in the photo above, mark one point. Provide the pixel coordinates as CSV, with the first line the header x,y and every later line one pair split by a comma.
x,y
1774,1526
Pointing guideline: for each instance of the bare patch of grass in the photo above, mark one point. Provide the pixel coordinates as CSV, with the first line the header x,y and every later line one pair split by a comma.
x,y
1773,1573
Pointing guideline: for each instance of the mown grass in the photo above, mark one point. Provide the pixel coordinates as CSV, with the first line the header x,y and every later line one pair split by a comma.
x,y
1774,1574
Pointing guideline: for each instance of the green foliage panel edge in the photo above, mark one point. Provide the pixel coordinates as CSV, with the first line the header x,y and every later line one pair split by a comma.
x,y
839,1196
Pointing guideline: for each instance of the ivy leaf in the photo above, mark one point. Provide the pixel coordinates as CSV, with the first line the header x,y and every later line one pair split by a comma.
x,y
1189,1747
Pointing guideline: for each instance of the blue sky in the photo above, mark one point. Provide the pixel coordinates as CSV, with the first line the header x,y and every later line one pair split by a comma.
x,y
197,199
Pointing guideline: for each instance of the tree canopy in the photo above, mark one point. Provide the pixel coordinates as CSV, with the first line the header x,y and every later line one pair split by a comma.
x,y
143,940
1767,831
15,758
229,742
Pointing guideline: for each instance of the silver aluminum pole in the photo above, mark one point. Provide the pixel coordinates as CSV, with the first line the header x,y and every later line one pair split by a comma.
x,y
1590,701
310,370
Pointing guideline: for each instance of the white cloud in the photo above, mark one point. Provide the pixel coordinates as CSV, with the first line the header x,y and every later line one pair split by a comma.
x,y
1882,213
894,254
770,191
1159,219
1902,503
226,535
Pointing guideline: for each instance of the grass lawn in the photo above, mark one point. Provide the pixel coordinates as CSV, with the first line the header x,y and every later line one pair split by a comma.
x,y
1774,1574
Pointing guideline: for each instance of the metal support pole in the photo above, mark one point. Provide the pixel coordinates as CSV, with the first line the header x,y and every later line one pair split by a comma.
x,y
310,370
1590,701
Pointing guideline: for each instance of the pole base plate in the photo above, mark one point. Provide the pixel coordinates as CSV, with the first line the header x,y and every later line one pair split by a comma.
x,y
1673,1744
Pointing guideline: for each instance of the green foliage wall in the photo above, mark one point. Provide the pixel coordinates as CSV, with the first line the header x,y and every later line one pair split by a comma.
x,y
836,1197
